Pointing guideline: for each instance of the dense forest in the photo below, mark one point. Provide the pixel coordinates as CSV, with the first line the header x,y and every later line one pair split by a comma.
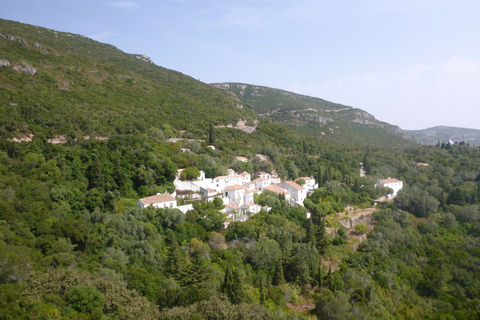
x,y
74,244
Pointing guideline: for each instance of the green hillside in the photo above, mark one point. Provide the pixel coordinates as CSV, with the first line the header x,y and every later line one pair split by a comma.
x,y
75,244
318,117
54,82
441,134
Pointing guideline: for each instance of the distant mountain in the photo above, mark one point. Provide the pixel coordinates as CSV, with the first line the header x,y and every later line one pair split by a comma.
x,y
441,134
55,82
318,117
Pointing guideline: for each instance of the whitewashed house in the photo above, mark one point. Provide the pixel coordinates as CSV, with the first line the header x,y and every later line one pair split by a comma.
x,y
261,183
262,157
234,194
250,207
296,191
310,184
242,159
278,190
393,183
165,200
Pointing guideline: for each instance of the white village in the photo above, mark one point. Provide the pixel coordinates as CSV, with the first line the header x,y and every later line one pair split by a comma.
x,y
237,191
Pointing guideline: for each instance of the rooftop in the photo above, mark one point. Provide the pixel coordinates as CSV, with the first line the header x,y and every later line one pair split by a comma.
x,y
159,198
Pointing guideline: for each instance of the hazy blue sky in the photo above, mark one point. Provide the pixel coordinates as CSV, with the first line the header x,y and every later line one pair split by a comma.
x,y
414,63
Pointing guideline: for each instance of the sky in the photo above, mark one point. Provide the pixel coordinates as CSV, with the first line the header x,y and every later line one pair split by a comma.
x,y
411,63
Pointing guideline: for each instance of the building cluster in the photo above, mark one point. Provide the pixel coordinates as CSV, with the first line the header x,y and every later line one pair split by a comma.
x,y
236,190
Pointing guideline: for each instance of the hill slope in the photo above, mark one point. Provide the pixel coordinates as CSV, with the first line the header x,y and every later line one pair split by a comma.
x,y
433,135
318,117
55,82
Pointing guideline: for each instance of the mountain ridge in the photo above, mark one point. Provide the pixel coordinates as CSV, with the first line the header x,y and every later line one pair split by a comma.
x,y
433,135
316,116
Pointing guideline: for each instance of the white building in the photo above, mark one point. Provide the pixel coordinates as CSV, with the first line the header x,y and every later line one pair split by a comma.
x,y
296,191
310,184
165,200
393,183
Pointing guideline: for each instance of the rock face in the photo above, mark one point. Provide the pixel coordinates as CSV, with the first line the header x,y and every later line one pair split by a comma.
x,y
4,63
25,68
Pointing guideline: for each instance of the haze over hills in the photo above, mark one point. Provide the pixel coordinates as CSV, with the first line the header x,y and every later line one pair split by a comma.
x,y
441,134
318,117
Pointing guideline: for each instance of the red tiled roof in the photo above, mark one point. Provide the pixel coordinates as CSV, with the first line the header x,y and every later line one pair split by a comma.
x,y
159,198
261,179
234,187
232,206
391,180
276,189
294,185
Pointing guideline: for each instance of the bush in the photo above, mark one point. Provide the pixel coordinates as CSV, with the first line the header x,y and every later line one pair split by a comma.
x,y
86,299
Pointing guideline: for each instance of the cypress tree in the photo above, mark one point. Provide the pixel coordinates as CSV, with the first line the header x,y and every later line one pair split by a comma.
x,y
321,237
319,276
174,262
278,277
311,232
232,286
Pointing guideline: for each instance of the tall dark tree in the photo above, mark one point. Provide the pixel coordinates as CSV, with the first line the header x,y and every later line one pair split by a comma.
x,y
366,164
211,133
232,285
174,262
278,277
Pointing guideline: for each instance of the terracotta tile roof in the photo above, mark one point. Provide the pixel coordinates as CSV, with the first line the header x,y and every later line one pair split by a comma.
x,y
234,187
390,180
244,173
294,185
261,179
159,198
232,206
276,189
250,204
252,190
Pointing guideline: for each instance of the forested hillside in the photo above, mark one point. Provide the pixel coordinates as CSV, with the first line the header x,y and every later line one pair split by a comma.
x,y
55,82
74,244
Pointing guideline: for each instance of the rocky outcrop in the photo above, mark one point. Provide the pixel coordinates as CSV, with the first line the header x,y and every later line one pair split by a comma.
x,y
144,58
25,68
13,38
4,63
